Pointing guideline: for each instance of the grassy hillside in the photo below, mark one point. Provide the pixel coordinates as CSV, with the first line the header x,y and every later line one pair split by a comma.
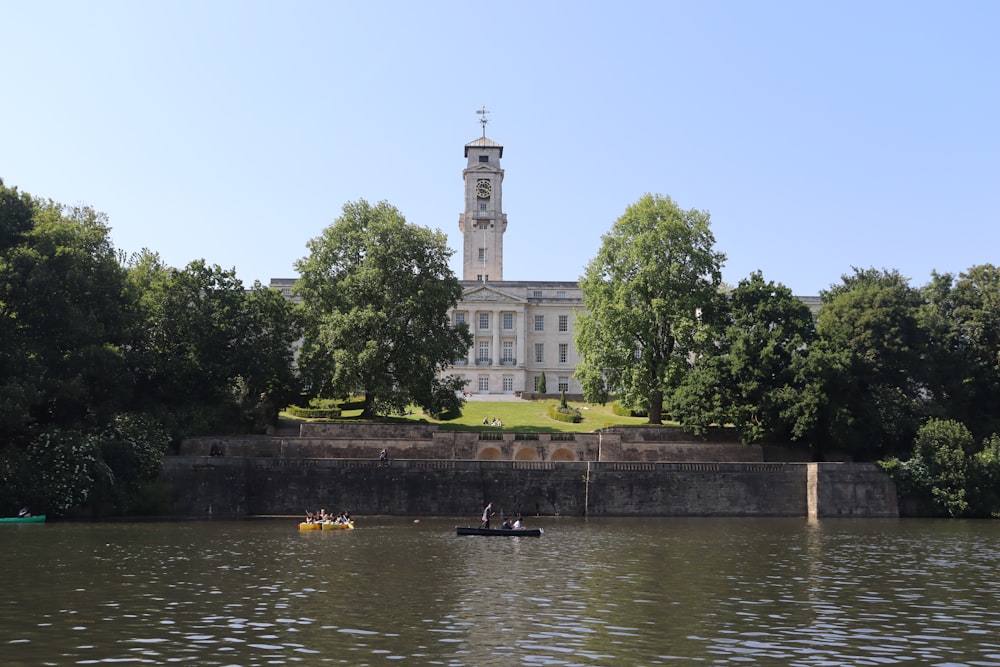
x,y
521,416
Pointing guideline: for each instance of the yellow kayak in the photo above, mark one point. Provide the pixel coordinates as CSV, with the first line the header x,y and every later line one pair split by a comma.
x,y
306,525
332,525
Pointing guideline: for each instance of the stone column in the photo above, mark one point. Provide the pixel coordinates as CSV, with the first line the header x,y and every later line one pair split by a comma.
x,y
521,331
496,338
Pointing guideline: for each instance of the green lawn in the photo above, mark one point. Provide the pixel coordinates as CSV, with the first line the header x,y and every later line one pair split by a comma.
x,y
528,416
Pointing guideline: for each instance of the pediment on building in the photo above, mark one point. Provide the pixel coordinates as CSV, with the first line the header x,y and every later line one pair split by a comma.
x,y
490,294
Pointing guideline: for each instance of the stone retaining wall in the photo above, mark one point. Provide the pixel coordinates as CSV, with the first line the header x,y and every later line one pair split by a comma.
x,y
366,441
229,486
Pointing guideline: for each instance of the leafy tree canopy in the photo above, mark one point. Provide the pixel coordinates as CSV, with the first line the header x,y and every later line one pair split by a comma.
x,y
375,293
653,279
747,378
876,389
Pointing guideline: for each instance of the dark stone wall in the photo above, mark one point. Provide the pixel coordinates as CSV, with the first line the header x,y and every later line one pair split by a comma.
x,y
229,486
854,490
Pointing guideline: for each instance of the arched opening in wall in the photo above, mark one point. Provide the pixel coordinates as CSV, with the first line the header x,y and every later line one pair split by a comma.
x,y
526,454
563,454
490,454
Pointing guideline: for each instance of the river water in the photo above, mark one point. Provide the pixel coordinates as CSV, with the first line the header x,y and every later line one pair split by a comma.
x,y
606,591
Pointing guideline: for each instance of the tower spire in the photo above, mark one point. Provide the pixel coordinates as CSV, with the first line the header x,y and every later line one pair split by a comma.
x,y
483,119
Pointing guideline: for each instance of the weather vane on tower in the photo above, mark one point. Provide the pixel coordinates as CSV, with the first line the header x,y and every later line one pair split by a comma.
x,y
482,112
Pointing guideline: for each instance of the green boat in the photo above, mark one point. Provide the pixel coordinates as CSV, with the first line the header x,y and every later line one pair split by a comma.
x,y
23,519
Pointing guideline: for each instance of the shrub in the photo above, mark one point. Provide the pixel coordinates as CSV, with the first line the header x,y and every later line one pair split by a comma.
x,y
313,413
565,414
623,411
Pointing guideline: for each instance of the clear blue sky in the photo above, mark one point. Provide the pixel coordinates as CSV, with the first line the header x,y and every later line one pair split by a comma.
x,y
819,135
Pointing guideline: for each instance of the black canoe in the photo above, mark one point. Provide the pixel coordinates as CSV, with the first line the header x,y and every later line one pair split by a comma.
x,y
505,532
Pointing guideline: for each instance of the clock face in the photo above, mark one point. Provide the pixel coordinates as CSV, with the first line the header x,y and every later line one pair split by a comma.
x,y
483,188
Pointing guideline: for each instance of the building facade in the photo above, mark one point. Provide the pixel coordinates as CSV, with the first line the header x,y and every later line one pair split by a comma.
x,y
522,329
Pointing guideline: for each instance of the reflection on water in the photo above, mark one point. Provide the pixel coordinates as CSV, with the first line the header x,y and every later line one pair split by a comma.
x,y
596,592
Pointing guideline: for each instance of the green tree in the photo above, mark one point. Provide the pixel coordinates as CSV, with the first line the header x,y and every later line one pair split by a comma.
x,y
937,473
655,275
962,321
18,369
269,326
871,362
65,318
747,378
375,294
129,454
542,386
984,478
208,348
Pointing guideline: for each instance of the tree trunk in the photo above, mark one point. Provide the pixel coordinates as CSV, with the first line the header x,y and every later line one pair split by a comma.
x,y
656,407
367,411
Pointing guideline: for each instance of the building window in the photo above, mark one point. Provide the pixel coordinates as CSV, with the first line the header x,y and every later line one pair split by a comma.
x,y
564,383
535,386
560,294
564,323
563,352
459,318
483,226
508,383
539,323
484,320
507,354
482,254
508,321
539,353
484,384
484,158
537,294
482,207
483,356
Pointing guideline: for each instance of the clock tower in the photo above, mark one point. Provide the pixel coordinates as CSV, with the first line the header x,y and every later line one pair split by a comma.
x,y
483,223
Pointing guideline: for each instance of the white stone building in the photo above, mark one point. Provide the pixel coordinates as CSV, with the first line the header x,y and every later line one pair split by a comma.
x,y
522,329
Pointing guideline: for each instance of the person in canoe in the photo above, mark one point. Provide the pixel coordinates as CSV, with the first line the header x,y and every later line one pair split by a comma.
x,y
487,513
517,523
24,513
506,525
